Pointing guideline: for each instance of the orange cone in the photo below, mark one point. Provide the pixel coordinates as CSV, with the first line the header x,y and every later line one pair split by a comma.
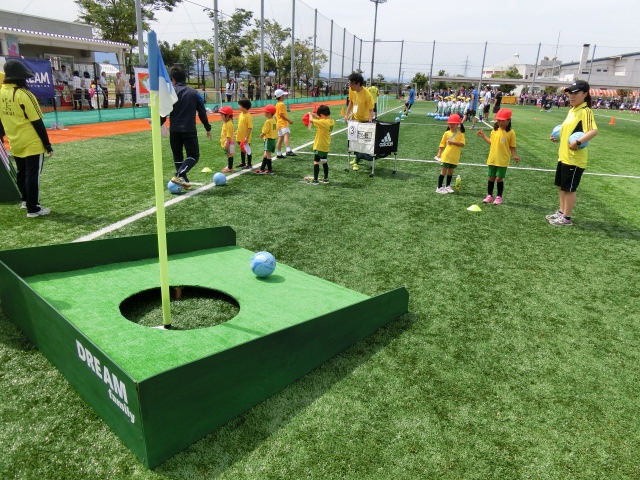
x,y
613,121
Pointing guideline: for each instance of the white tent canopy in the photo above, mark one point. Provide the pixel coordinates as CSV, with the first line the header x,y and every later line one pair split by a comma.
x,y
109,69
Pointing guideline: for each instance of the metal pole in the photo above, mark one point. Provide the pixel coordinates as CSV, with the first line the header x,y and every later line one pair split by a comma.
x,y
535,70
141,62
344,41
433,52
593,54
315,38
216,64
400,68
353,52
330,56
484,56
262,76
293,49
373,49
360,57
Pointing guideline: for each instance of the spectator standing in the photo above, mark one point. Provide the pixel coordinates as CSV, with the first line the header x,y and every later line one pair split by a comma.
x,y
104,87
21,121
120,85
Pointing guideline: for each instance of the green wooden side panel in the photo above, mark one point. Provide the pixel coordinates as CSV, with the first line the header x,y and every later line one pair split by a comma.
x,y
184,404
8,189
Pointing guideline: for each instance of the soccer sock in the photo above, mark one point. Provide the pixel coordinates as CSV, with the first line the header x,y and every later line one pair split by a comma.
x,y
230,162
440,180
288,149
449,177
316,171
249,158
490,187
500,188
325,169
243,157
263,167
269,165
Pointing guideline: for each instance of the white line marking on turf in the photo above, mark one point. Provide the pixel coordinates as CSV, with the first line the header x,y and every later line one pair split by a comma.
x,y
151,211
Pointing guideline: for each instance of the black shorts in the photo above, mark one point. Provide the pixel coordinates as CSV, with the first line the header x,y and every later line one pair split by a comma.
x,y
568,177
496,108
471,113
485,109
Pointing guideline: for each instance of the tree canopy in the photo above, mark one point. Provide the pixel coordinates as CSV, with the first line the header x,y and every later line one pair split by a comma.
x,y
116,19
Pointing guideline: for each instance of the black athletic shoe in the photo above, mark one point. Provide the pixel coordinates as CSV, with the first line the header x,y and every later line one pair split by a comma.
x,y
291,154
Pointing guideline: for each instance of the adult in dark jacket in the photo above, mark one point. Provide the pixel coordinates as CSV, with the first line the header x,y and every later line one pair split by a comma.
x,y
182,126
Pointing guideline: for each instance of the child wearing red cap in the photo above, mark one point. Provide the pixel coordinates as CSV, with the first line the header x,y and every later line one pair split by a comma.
x,y
449,152
269,134
503,147
226,137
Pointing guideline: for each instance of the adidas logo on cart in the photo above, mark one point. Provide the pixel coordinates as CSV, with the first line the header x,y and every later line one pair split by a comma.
x,y
386,141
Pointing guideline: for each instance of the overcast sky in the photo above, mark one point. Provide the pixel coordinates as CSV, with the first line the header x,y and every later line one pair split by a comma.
x,y
459,30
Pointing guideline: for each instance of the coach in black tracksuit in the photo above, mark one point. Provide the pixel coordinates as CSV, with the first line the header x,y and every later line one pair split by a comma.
x,y
183,133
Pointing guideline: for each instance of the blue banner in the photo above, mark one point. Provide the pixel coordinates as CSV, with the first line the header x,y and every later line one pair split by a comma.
x,y
42,84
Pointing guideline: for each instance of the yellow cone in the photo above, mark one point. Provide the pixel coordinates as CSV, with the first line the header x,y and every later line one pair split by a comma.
x,y
474,208
206,170
342,111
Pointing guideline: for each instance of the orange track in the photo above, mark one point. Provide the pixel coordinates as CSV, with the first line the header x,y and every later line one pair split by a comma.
x,y
106,129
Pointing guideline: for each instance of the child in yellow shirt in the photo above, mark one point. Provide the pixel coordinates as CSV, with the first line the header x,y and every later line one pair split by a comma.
x,y
269,134
322,142
226,137
243,134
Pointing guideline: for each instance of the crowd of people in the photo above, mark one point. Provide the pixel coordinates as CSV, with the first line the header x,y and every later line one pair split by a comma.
x,y
22,122
86,92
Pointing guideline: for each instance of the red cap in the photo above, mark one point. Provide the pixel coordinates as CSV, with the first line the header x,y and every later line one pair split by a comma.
x,y
455,118
270,108
503,114
226,110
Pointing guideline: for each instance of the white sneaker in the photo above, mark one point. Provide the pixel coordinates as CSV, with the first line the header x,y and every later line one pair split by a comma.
x,y
39,213
449,189
442,190
23,205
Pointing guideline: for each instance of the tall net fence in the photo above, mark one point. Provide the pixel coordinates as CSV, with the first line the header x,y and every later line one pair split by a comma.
x,y
396,62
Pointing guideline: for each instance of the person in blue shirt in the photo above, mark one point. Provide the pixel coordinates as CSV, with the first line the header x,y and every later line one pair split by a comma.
x,y
473,106
410,100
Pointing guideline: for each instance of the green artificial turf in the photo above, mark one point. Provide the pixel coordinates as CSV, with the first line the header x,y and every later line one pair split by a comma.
x,y
519,357
90,299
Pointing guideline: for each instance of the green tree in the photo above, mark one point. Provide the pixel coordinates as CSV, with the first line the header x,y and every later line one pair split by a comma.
x,y
420,79
440,85
303,60
511,72
116,19
234,37
253,64
274,44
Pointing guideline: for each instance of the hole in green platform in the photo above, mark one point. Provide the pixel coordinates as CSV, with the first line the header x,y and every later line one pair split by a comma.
x,y
191,308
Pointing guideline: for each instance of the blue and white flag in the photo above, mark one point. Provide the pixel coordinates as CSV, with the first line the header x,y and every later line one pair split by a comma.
x,y
159,80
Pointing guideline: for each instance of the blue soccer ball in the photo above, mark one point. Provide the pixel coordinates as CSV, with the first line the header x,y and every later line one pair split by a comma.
x,y
397,119
174,188
555,133
403,116
219,179
577,136
263,264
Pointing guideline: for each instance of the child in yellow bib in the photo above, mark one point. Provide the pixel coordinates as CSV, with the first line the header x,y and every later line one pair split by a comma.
x,y
503,147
